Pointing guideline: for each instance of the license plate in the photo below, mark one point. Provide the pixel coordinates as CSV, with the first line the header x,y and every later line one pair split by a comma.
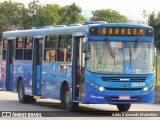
x,y
124,97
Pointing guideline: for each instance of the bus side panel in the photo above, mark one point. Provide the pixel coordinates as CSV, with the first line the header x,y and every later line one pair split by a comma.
x,y
23,69
38,77
66,76
11,77
3,75
1,82
50,83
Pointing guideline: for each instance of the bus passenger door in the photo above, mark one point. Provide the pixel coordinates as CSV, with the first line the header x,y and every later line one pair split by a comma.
x,y
78,69
10,64
37,63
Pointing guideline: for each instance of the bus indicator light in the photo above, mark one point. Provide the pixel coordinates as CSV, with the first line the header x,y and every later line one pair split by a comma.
x,y
121,31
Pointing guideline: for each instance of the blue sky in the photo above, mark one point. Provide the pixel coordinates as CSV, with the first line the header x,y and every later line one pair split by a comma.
x,y
131,8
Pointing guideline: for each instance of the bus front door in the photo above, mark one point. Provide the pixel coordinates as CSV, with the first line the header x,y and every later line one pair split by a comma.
x,y
78,69
9,65
37,63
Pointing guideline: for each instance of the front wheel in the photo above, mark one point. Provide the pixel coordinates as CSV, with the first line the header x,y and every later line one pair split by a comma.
x,y
68,103
123,107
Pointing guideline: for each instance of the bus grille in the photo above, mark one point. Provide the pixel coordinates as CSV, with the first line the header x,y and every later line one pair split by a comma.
x,y
123,89
124,79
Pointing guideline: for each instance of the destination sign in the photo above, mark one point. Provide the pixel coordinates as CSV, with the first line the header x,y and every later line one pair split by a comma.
x,y
120,31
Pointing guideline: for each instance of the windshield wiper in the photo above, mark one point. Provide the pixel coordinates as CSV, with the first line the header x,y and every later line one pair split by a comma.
x,y
110,48
135,46
130,55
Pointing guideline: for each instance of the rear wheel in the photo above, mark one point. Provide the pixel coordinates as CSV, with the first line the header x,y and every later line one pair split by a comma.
x,y
22,97
123,107
21,94
68,103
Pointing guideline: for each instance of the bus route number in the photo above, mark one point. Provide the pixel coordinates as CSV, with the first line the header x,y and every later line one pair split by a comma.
x,y
138,84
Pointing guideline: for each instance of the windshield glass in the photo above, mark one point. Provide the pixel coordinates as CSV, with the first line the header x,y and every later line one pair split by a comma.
x,y
120,57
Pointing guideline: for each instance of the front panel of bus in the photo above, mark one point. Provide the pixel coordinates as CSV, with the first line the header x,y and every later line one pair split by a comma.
x,y
119,65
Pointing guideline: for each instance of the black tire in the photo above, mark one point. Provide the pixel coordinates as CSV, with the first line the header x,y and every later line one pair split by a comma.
x,y
21,96
67,101
123,107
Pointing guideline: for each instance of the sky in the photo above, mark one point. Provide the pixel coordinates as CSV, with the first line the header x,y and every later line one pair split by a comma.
x,y
130,8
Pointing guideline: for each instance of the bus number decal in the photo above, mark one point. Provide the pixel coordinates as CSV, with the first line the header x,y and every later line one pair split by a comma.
x,y
138,84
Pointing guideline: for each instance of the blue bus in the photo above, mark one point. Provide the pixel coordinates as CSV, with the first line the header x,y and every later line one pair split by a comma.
x,y
93,63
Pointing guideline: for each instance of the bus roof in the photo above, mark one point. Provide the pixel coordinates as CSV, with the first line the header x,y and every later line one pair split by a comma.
x,y
67,29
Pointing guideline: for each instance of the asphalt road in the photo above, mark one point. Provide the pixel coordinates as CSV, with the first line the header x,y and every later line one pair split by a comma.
x,y
9,102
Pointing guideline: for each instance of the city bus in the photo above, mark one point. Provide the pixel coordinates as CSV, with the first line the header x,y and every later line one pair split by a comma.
x,y
92,63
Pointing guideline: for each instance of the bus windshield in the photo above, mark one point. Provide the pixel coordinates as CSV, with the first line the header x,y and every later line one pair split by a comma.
x,y
121,57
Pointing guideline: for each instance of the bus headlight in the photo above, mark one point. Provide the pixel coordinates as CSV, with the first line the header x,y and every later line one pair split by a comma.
x,y
148,88
145,89
101,89
96,86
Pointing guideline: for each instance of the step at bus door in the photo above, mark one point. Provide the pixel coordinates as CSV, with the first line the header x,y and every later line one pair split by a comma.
x,y
37,64
78,69
10,64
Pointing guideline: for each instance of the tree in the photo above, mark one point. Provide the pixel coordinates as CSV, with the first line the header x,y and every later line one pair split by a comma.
x,y
154,21
47,15
10,16
32,9
144,14
70,14
108,15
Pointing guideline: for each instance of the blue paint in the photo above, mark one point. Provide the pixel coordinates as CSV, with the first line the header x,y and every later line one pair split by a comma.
x,y
23,69
38,77
93,95
11,77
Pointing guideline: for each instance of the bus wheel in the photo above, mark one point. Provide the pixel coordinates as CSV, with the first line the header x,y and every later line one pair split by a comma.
x,y
123,107
22,97
69,105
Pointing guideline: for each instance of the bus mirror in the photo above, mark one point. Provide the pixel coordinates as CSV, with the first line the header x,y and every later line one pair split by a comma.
x,y
155,52
87,57
84,47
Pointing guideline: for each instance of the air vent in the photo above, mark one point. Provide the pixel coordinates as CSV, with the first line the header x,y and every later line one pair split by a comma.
x,y
101,22
125,79
59,26
48,27
44,27
76,24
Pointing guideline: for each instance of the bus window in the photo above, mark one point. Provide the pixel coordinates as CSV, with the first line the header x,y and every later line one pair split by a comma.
x,y
50,48
19,48
4,43
28,48
64,48
4,48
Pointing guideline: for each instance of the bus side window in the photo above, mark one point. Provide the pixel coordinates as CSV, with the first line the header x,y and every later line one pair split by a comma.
x,y
28,48
19,48
64,48
4,48
50,48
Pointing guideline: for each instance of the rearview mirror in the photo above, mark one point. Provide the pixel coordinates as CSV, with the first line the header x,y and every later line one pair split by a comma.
x,y
84,47
155,52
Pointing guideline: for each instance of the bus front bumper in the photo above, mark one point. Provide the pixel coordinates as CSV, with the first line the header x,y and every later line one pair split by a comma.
x,y
118,97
